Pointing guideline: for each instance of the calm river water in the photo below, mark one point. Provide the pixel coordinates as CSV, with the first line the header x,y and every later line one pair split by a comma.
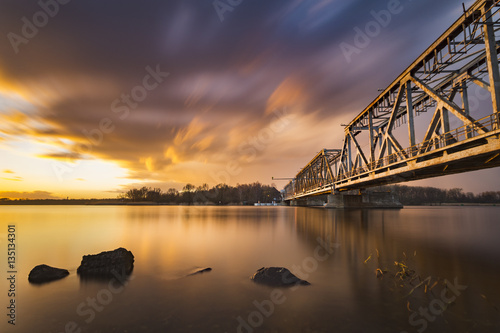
x,y
447,279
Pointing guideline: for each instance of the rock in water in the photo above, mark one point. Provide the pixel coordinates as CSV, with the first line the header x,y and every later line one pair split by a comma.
x,y
45,273
200,271
277,277
107,264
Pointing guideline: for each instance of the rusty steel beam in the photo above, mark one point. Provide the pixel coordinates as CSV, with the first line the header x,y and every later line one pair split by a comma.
x,y
464,56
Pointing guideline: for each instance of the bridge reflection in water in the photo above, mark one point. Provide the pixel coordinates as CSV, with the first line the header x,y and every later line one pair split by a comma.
x,y
436,243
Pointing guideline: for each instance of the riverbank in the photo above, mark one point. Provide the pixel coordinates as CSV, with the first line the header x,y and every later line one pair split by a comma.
x,y
452,204
113,202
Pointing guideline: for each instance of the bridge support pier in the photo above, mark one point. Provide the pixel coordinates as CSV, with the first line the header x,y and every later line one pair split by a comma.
x,y
316,201
364,200
347,201
298,202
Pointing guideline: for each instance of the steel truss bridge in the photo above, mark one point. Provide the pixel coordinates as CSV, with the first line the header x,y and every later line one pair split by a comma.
x,y
449,97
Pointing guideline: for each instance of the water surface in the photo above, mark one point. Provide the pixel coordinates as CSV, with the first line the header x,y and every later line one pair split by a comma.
x,y
337,251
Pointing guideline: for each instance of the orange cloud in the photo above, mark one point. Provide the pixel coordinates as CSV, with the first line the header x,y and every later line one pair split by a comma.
x,y
171,154
291,92
194,128
69,157
27,195
15,179
12,178
204,143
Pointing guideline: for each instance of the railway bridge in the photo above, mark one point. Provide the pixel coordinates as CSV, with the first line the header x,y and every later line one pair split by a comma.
x,y
440,116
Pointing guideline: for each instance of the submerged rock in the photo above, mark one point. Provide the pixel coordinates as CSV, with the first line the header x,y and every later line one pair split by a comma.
x,y
45,273
200,271
107,264
277,277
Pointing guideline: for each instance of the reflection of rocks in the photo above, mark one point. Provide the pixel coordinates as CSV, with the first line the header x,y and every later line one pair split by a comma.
x,y
277,277
107,264
200,271
44,273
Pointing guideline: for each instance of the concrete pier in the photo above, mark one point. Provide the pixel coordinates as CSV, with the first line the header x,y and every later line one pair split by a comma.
x,y
348,201
316,201
364,200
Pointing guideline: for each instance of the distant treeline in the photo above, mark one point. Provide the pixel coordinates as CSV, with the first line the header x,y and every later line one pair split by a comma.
x,y
249,194
222,194
414,195
6,201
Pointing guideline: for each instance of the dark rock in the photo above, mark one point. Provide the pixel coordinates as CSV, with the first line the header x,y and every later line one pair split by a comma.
x,y
107,264
277,277
200,271
45,273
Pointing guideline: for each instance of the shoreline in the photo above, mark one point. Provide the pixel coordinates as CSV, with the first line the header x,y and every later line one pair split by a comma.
x,y
101,203
83,202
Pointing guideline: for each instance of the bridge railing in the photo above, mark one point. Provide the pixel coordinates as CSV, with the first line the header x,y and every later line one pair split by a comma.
x,y
292,191
490,123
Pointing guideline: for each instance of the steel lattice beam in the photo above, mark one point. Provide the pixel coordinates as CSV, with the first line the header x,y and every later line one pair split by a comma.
x,y
439,80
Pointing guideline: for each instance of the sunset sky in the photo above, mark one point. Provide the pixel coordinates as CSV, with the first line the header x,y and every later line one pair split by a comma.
x,y
100,96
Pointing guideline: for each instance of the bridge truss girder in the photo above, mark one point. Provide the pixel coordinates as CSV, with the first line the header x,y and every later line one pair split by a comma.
x,y
439,82
317,177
